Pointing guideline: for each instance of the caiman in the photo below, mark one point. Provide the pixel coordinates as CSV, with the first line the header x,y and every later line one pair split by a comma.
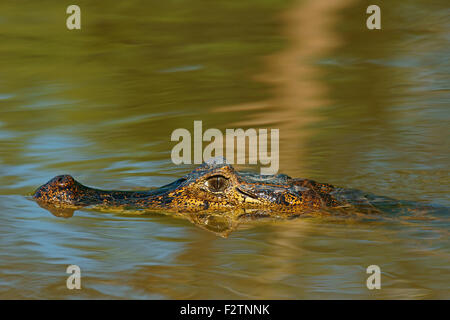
x,y
214,189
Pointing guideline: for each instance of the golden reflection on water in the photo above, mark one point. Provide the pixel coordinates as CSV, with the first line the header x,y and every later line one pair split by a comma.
x,y
354,108
298,92
294,251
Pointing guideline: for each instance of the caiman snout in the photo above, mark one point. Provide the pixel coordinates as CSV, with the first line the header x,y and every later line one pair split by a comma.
x,y
60,189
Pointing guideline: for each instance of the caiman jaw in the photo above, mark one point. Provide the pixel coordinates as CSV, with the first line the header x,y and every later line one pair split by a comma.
x,y
65,191
270,195
249,196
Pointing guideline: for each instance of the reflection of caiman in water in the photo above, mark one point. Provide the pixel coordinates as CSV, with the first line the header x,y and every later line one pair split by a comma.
x,y
216,197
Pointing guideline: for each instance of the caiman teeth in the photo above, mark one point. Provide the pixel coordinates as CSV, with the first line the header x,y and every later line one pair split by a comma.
x,y
247,195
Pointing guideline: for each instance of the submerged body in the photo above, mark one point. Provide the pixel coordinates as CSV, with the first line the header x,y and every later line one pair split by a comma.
x,y
212,187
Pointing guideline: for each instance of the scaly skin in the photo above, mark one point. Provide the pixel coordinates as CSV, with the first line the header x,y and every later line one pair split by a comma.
x,y
217,198
212,187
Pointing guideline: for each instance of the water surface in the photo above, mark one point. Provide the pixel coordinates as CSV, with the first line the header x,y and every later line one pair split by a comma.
x,y
355,108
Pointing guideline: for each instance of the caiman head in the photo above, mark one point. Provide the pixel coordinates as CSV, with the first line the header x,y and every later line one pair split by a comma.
x,y
213,186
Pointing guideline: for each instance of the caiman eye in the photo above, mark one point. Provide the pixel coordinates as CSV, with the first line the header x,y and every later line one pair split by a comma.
x,y
216,183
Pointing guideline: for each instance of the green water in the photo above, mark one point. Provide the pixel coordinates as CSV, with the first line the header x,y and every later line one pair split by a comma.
x,y
356,108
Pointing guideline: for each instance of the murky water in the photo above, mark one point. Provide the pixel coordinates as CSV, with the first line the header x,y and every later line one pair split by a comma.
x,y
356,108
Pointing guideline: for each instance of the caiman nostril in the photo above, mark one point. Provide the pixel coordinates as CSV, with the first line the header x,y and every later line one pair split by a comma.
x,y
60,187
62,180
